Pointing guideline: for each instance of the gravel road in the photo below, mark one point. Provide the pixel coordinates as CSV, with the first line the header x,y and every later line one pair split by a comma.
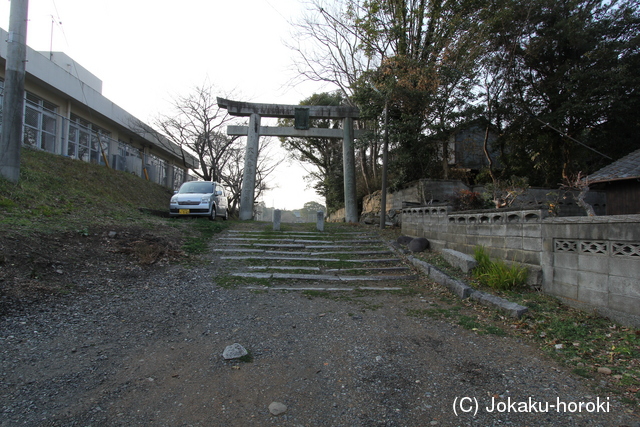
x,y
142,346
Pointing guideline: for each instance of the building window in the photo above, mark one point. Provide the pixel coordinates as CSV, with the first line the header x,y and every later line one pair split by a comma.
x,y
87,141
128,159
156,169
40,123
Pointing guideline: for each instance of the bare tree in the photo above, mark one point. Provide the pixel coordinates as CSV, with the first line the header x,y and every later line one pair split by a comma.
x,y
328,45
578,185
198,125
232,170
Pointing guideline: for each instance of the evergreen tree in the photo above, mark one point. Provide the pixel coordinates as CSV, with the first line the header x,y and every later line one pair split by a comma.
x,y
572,84
324,155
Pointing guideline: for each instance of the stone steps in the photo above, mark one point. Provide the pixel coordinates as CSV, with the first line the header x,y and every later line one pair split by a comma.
x,y
300,261
331,270
302,253
325,289
313,259
289,233
330,277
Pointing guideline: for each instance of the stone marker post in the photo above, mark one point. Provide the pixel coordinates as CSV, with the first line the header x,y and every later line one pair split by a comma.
x,y
276,220
320,221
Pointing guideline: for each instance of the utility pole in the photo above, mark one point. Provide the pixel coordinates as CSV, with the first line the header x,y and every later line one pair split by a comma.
x,y
13,98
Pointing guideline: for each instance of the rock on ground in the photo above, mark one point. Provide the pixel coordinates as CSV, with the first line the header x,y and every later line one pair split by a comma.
x,y
234,351
419,244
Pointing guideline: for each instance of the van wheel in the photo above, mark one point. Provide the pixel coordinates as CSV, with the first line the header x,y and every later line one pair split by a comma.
x,y
226,215
212,217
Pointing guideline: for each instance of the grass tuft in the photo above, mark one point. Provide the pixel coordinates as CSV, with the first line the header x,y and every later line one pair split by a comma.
x,y
497,274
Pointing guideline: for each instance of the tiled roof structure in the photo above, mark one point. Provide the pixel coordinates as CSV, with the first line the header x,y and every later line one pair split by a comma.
x,y
627,167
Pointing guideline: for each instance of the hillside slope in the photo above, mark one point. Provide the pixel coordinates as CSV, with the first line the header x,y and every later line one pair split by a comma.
x,y
68,226
59,193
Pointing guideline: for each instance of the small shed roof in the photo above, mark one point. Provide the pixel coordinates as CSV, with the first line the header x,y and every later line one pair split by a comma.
x,y
627,167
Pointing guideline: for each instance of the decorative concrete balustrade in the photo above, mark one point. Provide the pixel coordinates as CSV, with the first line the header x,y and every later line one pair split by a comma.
x,y
445,213
589,262
508,235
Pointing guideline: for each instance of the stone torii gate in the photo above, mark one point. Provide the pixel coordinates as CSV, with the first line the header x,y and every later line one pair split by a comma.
x,y
301,115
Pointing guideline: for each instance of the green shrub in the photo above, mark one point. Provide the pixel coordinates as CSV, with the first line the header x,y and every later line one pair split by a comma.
x,y
497,274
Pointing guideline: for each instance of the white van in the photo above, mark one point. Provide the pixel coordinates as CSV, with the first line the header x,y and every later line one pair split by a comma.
x,y
200,198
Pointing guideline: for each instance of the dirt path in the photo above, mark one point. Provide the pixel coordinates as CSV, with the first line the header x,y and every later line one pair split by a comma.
x,y
144,347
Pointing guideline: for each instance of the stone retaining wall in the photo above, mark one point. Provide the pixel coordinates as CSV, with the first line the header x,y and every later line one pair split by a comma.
x,y
337,216
442,192
590,262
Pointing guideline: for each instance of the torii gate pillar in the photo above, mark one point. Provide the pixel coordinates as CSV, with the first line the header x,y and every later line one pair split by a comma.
x,y
349,169
247,196
253,132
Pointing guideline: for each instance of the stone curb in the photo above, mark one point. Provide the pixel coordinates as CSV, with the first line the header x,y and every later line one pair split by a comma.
x,y
464,262
510,308
464,291
459,288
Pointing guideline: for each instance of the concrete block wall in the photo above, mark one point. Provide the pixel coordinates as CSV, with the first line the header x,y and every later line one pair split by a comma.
x,y
508,235
594,262
590,262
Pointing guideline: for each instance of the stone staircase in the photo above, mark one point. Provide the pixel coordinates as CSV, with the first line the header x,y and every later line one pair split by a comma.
x,y
303,260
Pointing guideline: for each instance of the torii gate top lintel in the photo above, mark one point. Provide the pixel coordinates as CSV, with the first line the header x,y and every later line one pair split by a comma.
x,y
283,111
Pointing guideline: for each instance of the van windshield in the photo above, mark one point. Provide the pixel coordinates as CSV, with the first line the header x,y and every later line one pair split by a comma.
x,y
196,187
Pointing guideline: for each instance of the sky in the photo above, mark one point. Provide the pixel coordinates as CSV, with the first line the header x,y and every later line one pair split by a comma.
x,y
148,52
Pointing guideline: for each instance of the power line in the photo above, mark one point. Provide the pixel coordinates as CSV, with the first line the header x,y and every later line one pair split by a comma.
x,y
58,21
277,11
571,138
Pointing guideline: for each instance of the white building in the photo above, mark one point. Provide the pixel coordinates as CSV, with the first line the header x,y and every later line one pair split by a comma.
x,y
66,114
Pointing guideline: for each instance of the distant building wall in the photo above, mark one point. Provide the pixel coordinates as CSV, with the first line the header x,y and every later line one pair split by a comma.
x,y
466,146
623,197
